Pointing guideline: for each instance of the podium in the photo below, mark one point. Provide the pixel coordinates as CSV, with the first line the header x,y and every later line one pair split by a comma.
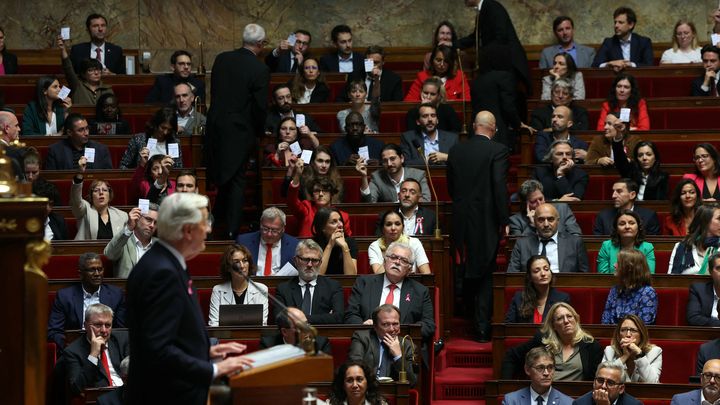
x,y
282,382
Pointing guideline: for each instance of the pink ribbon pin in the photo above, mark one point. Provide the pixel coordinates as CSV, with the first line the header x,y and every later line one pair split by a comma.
x,y
190,291
407,297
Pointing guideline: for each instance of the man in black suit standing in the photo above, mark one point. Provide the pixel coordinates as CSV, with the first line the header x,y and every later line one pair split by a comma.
x,y
236,118
476,176
624,195
288,333
707,84
320,298
110,55
65,154
344,60
286,58
168,339
433,142
625,49
413,298
702,306
390,82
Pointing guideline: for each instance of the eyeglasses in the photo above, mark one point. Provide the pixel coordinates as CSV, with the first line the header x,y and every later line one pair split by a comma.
x,y
541,369
101,325
701,157
400,258
309,260
604,381
271,231
625,331
710,376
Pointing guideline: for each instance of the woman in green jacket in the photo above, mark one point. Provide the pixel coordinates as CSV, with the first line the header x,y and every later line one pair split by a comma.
x,y
628,233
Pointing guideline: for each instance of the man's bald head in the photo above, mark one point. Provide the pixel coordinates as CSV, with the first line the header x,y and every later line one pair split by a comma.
x,y
546,220
711,386
566,111
9,126
484,124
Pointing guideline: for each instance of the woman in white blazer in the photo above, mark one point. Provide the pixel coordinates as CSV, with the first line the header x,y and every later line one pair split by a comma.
x,y
236,289
96,210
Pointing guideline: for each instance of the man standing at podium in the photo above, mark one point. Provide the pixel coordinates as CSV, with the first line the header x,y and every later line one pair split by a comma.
x,y
172,358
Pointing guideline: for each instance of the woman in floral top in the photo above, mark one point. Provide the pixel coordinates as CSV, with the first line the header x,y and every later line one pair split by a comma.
x,y
633,293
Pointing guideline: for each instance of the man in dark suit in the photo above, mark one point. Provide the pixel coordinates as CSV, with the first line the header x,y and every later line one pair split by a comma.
x,y
271,234
384,185
286,57
413,299
624,194
390,82
382,348
561,122
710,391
55,227
288,333
163,90
168,339
561,93
561,179
432,142
345,149
236,118
608,387
709,350
540,368
110,55
282,107
493,27
476,176
93,359
625,49
117,396
320,298
531,197
707,84
417,220
65,154
344,60
9,133
566,252
702,307
68,308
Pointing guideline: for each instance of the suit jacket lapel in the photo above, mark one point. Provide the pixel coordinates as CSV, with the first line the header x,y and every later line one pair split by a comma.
x,y
561,249
297,293
316,297
406,298
376,292
78,301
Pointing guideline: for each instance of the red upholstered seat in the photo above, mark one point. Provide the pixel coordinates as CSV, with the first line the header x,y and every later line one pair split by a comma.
x,y
67,267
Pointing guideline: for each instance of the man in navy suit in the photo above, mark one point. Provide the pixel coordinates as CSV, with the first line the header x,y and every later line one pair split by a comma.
x,y
625,49
110,55
707,84
271,236
708,351
413,298
540,368
608,387
624,195
168,340
702,308
163,90
320,298
68,309
344,60
65,154
710,391
433,142
390,82
286,58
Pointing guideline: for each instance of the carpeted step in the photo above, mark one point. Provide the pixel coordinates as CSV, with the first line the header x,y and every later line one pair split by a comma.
x,y
458,402
458,383
461,352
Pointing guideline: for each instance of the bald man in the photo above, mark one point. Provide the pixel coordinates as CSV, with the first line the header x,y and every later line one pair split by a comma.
x,y
566,252
561,123
10,132
710,391
287,333
476,176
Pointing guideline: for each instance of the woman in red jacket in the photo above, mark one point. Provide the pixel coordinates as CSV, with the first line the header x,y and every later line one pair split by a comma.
x,y
625,93
442,66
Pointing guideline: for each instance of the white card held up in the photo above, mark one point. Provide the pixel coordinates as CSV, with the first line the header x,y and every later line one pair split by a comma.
x,y
295,148
65,33
173,150
300,120
364,152
291,39
152,143
369,65
64,92
625,114
306,156
144,205
90,155
715,38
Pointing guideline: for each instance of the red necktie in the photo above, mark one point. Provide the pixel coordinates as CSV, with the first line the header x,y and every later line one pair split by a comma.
x,y
391,295
106,366
98,54
268,259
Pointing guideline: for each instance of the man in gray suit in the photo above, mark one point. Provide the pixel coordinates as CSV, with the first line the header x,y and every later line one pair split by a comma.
x,y
710,392
540,368
128,246
385,183
566,252
531,196
564,30
428,140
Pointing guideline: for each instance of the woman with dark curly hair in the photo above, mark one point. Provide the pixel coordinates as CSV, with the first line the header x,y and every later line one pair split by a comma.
x,y
644,168
236,262
108,117
163,127
444,34
690,256
684,201
155,173
627,234
355,384
287,133
531,304
707,171
339,249
633,293
442,64
625,93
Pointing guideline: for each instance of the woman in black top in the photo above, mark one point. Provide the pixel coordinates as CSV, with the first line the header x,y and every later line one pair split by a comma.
x,y
531,304
644,169
339,251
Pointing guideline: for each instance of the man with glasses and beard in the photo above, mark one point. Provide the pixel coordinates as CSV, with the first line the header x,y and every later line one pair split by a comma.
x,y
710,391
608,387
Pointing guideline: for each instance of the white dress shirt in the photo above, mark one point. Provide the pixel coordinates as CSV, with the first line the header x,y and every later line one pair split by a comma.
x,y
386,291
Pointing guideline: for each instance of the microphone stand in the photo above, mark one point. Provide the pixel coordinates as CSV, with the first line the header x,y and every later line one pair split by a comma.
x,y
463,130
438,233
402,375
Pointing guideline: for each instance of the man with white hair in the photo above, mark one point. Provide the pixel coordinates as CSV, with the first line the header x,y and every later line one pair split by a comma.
x,y
168,338
236,118
271,247
10,132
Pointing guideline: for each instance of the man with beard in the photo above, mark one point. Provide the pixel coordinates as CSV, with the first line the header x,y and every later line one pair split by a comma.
x,y
564,30
417,220
561,179
188,117
562,121
609,388
710,391
136,238
626,48
427,139
66,154
385,183
319,297
345,150
181,66
561,93
565,252
282,107
344,60
707,84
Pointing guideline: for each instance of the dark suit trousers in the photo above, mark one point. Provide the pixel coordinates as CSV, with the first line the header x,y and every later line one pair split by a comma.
x,y
477,296
231,196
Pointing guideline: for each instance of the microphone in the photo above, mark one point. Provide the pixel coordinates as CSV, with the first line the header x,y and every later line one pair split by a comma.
x,y
402,375
419,146
304,326
463,130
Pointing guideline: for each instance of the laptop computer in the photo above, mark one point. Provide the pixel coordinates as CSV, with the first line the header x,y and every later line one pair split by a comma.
x,y
241,315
